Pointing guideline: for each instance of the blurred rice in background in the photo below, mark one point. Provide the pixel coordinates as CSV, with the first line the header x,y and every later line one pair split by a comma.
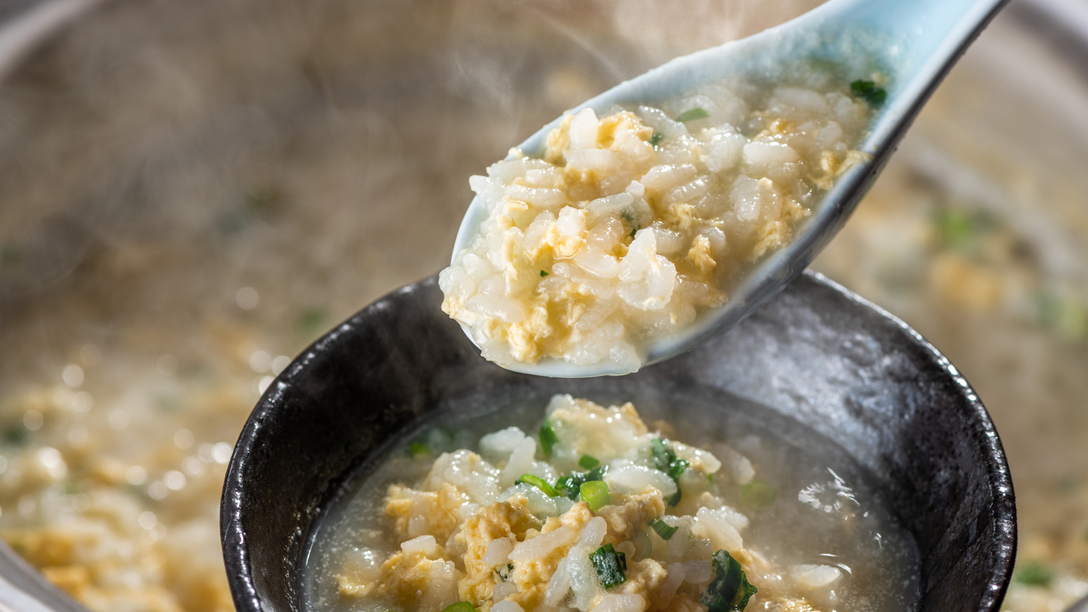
x,y
191,192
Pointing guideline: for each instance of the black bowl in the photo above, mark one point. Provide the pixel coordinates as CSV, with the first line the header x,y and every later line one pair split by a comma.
x,y
816,353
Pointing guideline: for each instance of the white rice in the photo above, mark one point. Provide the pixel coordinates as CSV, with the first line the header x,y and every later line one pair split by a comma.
x,y
621,603
543,544
506,606
424,544
497,446
632,478
697,571
498,552
593,533
520,462
814,575
715,526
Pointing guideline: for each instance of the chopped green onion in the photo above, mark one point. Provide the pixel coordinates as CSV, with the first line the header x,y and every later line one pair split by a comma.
x,y
956,227
1065,316
434,441
594,493
504,572
1034,573
757,493
568,486
662,454
571,484
610,566
1048,309
543,274
665,460
548,439
588,462
537,482
461,606
729,590
692,115
663,529
675,498
868,91
312,320
15,435
634,230
655,139
676,468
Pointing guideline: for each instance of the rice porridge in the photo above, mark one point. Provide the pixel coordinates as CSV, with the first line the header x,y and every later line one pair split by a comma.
x,y
600,510
632,224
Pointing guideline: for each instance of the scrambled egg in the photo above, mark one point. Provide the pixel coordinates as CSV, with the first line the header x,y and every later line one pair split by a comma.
x,y
417,513
508,520
631,514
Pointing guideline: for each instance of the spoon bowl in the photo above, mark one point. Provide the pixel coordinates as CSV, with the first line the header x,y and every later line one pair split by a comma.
x,y
816,355
913,44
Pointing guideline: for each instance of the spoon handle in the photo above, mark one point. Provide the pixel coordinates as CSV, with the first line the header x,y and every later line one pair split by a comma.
x,y
924,40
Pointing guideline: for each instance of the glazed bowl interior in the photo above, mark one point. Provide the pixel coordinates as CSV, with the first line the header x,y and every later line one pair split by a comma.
x,y
817,355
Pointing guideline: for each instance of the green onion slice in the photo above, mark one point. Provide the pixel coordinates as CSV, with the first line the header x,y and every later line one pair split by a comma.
x,y
868,91
588,462
665,460
594,493
757,493
548,439
537,482
461,606
504,572
729,590
570,485
663,529
692,115
610,565
1034,573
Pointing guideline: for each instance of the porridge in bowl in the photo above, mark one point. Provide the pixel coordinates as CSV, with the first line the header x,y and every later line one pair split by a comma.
x,y
599,510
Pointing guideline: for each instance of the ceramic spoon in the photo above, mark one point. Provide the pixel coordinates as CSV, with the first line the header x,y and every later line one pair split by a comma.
x,y
913,43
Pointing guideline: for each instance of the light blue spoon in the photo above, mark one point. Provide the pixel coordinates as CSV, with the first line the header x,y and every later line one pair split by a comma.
x,y
912,42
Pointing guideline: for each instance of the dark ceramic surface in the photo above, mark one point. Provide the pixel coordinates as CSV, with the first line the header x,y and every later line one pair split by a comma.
x,y
816,353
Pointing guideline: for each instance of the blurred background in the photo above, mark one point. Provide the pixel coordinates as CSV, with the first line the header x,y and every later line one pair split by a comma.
x,y
193,191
